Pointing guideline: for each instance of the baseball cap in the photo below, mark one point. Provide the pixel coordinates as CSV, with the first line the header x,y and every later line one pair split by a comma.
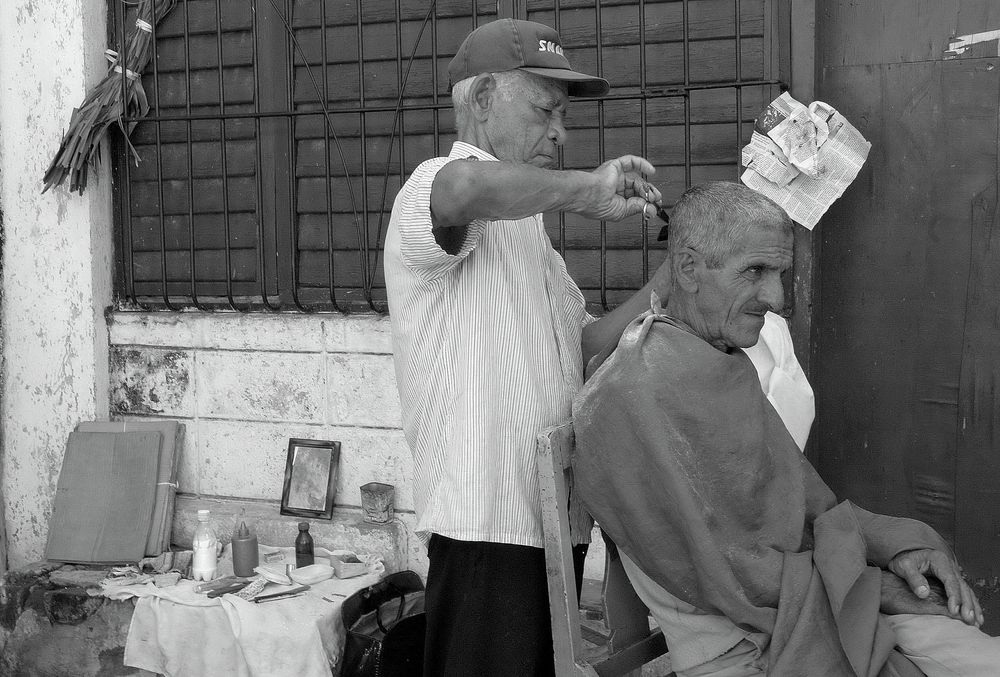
x,y
507,44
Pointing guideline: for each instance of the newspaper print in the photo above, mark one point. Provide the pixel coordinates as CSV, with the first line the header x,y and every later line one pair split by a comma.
x,y
803,158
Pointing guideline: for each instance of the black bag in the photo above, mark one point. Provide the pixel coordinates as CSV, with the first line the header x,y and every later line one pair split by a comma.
x,y
385,626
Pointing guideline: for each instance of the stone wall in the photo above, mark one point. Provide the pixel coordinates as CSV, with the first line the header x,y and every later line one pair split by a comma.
x,y
56,267
244,384
51,627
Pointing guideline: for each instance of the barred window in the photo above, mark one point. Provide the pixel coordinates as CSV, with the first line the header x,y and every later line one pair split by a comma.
x,y
279,132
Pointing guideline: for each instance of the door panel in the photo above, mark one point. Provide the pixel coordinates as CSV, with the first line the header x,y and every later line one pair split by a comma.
x,y
907,329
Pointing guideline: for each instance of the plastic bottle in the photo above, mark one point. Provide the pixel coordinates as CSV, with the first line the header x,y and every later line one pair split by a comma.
x,y
205,560
245,554
303,546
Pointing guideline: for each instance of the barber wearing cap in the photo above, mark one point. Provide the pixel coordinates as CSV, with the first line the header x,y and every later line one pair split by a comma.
x,y
487,328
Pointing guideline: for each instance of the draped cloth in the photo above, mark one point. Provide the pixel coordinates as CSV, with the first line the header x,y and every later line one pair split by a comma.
x,y
688,468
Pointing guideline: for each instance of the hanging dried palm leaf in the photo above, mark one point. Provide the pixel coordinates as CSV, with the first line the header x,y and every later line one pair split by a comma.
x,y
118,95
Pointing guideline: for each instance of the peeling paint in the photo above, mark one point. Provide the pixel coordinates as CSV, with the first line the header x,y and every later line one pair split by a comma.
x,y
148,381
52,369
959,45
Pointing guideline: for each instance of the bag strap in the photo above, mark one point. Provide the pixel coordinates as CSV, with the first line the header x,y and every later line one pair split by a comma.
x,y
399,611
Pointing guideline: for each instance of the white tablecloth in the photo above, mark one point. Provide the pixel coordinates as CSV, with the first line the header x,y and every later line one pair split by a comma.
x,y
177,632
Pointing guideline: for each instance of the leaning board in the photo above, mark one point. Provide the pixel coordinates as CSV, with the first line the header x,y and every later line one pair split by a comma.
x,y
104,497
166,476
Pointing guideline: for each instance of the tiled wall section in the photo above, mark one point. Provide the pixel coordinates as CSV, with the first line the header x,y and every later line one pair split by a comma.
x,y
244,384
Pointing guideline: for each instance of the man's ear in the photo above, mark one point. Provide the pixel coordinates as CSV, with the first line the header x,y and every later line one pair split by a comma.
x,y
482,92
685,269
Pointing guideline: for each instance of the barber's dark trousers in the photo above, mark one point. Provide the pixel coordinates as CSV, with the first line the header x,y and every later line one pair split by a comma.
x,y
488,609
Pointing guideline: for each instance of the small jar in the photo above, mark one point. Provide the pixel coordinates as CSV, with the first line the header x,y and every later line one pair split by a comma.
x,y
303,546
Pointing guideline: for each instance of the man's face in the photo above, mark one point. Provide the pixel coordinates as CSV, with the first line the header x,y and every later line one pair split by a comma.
x,y
732,299
526,125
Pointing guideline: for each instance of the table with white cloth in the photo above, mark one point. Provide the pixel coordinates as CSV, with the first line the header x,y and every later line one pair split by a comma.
x,y
178,632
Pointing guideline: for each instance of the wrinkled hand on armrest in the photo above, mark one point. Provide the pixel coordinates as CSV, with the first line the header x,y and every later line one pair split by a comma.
x,y
898,598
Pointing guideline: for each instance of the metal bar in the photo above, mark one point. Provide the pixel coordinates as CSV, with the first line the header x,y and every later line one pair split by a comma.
x,y
709,38
192,250
373,271
118,234
126,212
363,127
622,96
399,84
259,173
434,84
159,163
643,132
600,152
556,20
274,74
685,89
224,159
326,162
293,223
739,90
687,99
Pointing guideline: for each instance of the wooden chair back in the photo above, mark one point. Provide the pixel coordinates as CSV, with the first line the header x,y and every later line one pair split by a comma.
x,y
630,644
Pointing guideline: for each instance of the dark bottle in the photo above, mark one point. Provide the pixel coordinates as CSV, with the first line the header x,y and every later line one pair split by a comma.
x,y
303,546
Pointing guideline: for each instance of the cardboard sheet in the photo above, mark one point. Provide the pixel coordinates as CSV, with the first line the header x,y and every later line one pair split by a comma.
x,y
166,476
104,497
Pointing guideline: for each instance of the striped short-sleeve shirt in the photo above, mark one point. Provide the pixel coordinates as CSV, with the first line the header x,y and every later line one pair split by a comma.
x,y
486,342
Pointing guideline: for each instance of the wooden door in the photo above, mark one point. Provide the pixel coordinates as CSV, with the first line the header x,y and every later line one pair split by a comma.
x,y
907,324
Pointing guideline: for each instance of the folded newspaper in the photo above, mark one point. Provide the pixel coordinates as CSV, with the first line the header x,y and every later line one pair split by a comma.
x,y
803,157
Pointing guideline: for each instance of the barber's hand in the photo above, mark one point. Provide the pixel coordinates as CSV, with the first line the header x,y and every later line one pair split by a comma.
x,y
913,564
621,190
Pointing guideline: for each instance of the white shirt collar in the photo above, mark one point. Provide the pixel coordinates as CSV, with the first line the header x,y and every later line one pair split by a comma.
x,y
461,149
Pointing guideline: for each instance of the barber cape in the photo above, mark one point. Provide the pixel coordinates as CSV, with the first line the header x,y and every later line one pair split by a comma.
x,y
689,469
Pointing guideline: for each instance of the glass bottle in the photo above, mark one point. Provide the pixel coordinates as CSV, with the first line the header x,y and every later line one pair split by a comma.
x,y
205,560
303,546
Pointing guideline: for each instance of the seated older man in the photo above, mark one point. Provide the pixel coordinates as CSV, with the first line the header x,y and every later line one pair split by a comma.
x,y
744,556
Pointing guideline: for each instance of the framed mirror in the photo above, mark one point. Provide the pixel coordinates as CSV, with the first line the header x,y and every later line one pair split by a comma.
x,y
310,478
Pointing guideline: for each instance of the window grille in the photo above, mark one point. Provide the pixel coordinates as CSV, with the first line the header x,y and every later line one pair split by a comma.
x,y
280,131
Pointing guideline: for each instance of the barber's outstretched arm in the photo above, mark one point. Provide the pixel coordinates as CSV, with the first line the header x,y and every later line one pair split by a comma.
x,y
466,190
911,566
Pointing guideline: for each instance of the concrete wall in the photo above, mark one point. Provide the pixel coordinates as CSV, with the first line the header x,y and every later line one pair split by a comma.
x,y
56,257
244,384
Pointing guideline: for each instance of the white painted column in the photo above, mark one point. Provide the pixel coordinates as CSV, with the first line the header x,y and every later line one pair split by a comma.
x,y
57,257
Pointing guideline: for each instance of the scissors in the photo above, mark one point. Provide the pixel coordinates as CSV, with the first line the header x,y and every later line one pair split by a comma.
x,y
660,212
